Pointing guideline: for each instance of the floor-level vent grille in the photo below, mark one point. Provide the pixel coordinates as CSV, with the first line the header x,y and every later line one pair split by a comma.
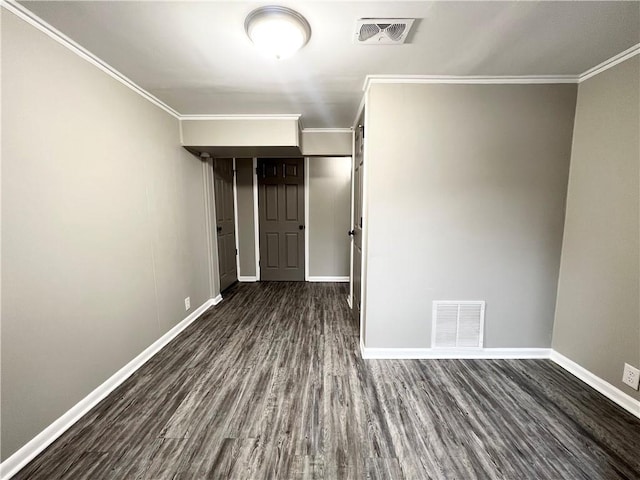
x,y
457,324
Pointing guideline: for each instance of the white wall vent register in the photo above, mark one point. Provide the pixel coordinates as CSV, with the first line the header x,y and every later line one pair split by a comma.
x,y
457,324
382,31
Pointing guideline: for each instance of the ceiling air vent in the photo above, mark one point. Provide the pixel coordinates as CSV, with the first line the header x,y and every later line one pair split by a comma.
x,y
382,31
457,324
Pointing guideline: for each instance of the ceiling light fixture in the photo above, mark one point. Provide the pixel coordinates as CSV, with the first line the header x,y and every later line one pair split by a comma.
x,y
277,31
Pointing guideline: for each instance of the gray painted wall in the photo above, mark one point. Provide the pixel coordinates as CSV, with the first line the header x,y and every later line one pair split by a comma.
x,y
103,232
246,224
597,317
318,142
466,190
241,132
329,216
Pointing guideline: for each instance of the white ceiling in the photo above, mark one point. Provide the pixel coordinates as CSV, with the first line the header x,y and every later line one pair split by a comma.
x,y
195,56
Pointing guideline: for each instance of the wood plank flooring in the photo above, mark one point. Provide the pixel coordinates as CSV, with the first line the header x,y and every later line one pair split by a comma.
x,y
270,385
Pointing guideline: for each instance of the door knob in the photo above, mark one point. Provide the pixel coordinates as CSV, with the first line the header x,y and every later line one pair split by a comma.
x,y
351,233
300,227
219,229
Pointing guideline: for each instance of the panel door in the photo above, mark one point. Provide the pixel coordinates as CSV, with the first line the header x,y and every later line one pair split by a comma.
x,y
356,232
225,225
281,219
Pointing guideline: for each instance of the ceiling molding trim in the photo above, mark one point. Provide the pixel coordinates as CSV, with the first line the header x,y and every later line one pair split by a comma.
x,y
611,62
469,79
327,130
276,116
31,18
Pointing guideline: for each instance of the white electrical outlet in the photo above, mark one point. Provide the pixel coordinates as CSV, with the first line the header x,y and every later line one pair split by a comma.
x,y
631,376
187,303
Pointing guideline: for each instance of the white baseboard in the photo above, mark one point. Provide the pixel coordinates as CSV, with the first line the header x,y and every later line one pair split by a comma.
x,y
24,455
245,278
349,301
28,452
214,301
614,394
442,353
328,279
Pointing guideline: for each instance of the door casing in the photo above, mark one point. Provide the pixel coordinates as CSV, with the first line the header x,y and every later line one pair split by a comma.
x,y
356,229
225,221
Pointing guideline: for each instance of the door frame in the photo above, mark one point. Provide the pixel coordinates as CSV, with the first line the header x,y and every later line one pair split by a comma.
x,y
365,226
306,219
254,212
235,215
215,212
352,222
256,217
210,224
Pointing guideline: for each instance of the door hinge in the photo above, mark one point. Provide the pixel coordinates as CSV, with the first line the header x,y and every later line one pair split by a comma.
x,y
236,251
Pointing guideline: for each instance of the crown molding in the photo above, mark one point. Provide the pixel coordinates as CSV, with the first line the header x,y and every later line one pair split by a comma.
x,y
327,130
611,62
276,116
28,16
497,80
31,18
468,79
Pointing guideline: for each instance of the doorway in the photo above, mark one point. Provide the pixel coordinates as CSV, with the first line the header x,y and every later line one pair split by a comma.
x,y
281,219
356,232
225,221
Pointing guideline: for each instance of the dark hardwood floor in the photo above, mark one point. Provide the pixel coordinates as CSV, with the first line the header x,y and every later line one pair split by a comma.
x,y
270,385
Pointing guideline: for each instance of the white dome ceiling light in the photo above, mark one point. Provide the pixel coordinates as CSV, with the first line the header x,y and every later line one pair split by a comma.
x,y
277,31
